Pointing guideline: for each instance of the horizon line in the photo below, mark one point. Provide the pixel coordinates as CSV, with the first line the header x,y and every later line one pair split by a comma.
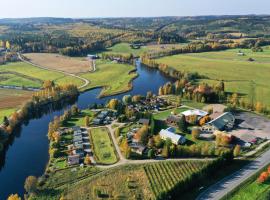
x,y
115,17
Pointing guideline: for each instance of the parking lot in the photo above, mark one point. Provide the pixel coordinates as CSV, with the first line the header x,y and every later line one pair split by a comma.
x,y
249,126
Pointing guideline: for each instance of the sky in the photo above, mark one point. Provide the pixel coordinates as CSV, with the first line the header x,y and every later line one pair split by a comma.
x,y
129,8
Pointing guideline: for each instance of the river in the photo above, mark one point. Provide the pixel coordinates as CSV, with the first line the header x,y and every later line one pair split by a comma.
x,y
28,153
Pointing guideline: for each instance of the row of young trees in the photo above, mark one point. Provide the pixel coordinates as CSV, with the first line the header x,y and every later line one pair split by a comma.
x,y
123,58
200,93
235,101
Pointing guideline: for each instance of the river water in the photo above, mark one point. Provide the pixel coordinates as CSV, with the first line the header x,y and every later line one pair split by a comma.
x,y
28,153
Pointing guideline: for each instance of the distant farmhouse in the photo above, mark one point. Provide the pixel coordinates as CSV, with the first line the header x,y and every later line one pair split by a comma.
x,y
169,133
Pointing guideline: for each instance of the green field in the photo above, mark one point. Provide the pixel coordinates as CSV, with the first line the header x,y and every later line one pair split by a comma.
x,y
164,114
254,190
235,70
6,112
113,77
103,148
17,80
79,120
164,177
30,76
124,48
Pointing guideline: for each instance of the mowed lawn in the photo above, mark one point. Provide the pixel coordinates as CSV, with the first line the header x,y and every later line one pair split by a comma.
x,y
79,120
113,77
37,75
59,62
164,114
104,150
251,191
236,71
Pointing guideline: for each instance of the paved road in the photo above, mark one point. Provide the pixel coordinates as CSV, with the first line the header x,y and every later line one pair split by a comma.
x,y
220,189
86,82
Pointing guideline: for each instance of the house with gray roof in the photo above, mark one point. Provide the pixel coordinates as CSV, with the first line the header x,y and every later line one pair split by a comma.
x,y
224,122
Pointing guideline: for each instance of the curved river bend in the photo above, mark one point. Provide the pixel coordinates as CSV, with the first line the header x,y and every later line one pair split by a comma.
x,y
28,154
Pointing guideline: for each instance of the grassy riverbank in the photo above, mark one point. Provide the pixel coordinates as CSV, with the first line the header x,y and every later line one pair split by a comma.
x,y
113,77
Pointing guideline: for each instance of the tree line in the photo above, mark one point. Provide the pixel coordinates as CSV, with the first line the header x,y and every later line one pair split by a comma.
x,y
42,101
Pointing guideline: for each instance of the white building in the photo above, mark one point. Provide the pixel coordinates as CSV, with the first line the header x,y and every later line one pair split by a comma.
x,y
170,134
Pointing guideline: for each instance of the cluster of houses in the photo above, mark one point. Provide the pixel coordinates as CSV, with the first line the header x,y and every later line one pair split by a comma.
x,y
80,146
133,142
104,117
151,104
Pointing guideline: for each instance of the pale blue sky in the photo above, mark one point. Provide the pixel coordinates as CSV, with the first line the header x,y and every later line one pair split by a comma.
x,y
129,8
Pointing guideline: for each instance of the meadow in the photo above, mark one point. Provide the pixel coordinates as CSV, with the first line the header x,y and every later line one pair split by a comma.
x,y
113,77
59,62
237,72
103,147
251,191
127,182
164,114
36,74
79,119
124,48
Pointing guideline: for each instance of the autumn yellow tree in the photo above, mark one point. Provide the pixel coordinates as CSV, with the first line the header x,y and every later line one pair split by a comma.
x,y
259,107
86,121
30,184
113,104
195,133
14,197
237,150
8,46
87,160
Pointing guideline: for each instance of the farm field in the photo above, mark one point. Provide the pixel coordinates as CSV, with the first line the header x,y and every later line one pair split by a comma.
x,y
10,100
114,78
59,62
164,177
235,70
124,48
16,79
146,181
24,71
103,148
128,182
